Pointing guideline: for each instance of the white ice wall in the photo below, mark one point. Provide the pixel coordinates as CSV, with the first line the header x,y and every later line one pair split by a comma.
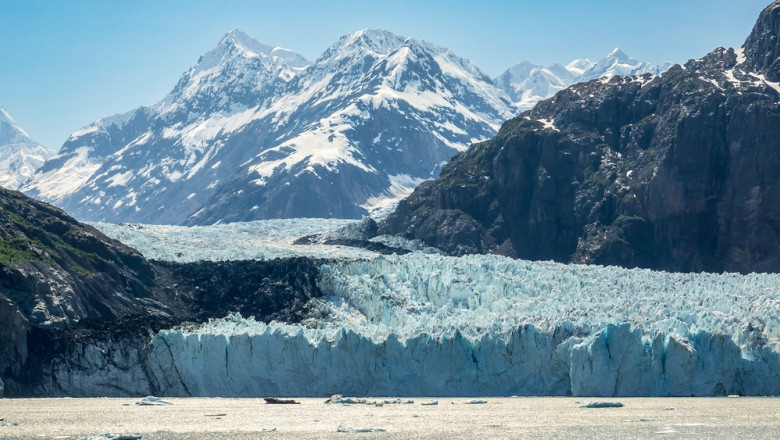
x,y
251,359
424,324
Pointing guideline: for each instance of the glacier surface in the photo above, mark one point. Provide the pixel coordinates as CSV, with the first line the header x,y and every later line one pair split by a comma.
x,y
259,240
428,324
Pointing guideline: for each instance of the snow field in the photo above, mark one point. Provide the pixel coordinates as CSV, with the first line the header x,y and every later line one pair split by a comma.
x,y
266,239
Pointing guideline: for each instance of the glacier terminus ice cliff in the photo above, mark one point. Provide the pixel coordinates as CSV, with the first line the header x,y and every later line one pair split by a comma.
x,y
428,324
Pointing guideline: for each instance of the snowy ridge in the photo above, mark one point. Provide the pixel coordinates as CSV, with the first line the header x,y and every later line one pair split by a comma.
x,y
618,62
10,131
20,156
81,156
738,75
232,76
527,83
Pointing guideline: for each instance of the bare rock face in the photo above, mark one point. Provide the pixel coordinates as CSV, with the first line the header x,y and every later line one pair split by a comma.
x,y
762,47
675,172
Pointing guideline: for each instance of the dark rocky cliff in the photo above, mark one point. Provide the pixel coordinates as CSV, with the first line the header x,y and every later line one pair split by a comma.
x,y
677,172
65,288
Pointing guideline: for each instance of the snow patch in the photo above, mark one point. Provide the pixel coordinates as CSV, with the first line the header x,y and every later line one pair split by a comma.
x,y
55,184
401,186
548,124
740,53
762,78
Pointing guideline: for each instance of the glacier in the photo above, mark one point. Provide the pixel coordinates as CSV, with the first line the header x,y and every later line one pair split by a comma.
x,y
261,240
424,324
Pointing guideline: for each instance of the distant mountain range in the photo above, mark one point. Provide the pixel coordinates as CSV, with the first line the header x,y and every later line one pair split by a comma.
x,y
676,172
254,131
527,83
20,156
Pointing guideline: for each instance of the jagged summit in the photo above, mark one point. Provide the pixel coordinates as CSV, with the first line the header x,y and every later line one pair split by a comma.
x,y
376,41
20,156
236,45
618,62
618,54
249,46
10,131
240,40
579,66
762,47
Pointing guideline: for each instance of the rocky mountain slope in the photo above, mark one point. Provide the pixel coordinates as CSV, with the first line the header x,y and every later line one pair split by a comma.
x,y
255,132
527,83
20,156
676,172
65,286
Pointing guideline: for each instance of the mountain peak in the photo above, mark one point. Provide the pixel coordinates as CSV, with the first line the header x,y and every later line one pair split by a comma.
x,y
243,42
579,66
10,131
20,156
375,41
238,41
762,47
619,54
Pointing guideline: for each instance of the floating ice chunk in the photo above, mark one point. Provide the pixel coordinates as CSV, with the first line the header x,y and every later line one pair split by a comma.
x,y
430,403
153,401
340,400
134,436
346,429
398,401
604,405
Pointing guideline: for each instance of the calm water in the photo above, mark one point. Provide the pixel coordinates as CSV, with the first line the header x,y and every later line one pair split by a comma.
x,y
499,418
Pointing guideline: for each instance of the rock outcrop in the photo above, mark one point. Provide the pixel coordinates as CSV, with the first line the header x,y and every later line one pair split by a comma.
x,y
675,172
66,290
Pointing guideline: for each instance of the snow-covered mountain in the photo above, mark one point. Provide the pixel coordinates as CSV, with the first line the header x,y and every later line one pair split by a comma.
x,y
256,132
527,83
20,156
618,63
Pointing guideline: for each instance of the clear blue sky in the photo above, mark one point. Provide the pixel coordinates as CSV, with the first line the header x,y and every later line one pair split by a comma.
x,y
66,63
